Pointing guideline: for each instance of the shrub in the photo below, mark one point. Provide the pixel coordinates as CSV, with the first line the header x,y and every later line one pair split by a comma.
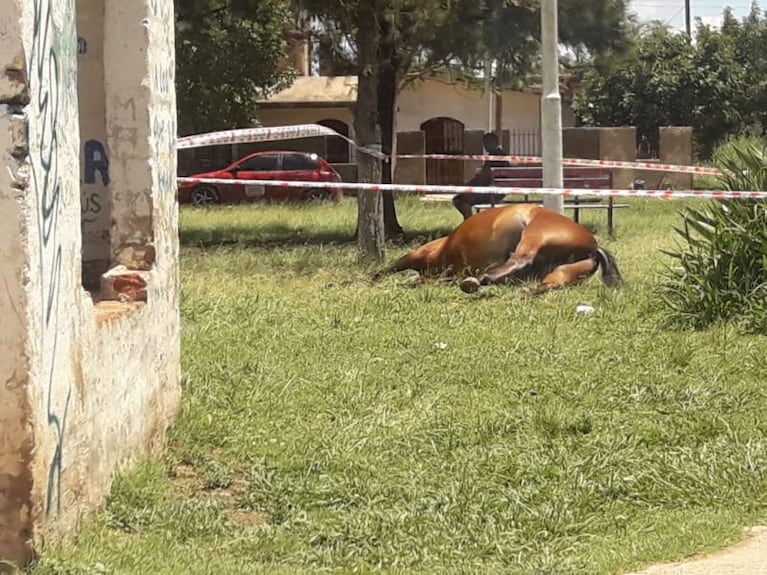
x,y
719,273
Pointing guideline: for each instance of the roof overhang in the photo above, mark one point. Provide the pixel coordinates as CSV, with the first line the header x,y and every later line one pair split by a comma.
x,y
312,104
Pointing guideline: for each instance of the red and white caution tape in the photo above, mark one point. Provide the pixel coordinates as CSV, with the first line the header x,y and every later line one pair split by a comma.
x,y
254,135
651,166
431,189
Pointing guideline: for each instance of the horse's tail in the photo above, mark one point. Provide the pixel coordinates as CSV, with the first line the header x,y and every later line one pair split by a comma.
x,y
611,275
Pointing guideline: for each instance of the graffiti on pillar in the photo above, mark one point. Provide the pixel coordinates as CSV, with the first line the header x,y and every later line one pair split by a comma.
x,y
95,196
163,134
48,93
96,162
162,77
162,74
96,170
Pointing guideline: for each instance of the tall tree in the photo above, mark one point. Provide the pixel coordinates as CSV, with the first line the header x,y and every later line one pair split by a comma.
x,y
419,36
229,54
370,220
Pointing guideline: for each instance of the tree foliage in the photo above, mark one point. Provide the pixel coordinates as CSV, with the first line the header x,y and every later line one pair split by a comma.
x,y
429,34
228,56
749,38
716,84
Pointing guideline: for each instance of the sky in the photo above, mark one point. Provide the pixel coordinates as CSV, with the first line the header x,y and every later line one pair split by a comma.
x,y
672,11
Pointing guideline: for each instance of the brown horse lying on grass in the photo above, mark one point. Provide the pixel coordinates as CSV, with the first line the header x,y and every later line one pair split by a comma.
x,y
518,242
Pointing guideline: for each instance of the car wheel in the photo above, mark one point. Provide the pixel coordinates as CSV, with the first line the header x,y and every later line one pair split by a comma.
x,y
317,195
205,196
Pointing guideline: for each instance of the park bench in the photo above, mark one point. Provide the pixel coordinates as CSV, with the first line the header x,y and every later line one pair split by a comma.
x,y
528,176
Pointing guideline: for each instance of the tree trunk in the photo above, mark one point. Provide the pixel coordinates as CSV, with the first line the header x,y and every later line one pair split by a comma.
x,y
387,100
370,223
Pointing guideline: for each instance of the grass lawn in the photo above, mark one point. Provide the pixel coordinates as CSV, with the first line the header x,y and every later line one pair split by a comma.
x,y
330,424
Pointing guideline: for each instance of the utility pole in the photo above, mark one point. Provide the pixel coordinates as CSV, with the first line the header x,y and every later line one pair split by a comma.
x,y
488,64
687,17
551,106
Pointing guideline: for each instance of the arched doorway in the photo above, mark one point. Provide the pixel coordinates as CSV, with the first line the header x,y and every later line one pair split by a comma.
x,y
336,149
443,136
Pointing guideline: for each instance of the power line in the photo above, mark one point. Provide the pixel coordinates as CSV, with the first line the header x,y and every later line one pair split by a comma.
x,y
674,15
701,4
706,3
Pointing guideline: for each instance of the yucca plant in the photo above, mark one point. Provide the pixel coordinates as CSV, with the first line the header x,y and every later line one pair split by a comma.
x,y
719,273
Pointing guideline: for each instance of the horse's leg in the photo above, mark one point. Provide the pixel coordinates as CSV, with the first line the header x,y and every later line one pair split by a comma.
x,y
567,274
519,262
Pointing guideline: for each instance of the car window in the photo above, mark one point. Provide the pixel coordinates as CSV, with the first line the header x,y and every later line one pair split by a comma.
x,y
260,164
298,162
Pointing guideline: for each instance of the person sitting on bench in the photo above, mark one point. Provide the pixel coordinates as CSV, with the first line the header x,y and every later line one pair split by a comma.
x,y
484,177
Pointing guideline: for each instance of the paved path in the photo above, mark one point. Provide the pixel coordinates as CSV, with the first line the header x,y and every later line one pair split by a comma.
x,y
749,557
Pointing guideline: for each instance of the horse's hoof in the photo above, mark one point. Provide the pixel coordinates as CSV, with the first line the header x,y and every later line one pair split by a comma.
x,y
469,285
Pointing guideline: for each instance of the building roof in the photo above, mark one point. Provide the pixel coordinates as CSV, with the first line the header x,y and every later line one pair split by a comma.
x,y
341,91
307,91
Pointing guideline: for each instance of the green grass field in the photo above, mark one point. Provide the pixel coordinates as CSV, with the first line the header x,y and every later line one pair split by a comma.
x,y
331,424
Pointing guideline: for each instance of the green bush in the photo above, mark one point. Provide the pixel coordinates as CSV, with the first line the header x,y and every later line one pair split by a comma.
x,y
719,273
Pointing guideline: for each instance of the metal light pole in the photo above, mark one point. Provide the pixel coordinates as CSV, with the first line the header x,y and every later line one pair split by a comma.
x,y
551,106
487,21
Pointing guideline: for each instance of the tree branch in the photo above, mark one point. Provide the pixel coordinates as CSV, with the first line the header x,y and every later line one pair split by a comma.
x,y
203,16
425,70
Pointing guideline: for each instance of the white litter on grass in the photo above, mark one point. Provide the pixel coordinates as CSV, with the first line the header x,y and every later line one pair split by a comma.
x,y
583,308
440,345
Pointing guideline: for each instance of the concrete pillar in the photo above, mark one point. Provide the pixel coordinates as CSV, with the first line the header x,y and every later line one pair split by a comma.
x,y
131,128
16,505
611,143
619,143
676,148
581,143
86,386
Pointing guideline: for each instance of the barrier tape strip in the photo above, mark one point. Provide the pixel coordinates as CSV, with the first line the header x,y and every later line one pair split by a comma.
x,y
650,166
253,135
432,189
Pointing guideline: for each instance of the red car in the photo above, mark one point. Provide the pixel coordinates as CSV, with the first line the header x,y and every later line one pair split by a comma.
x,y
290,166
